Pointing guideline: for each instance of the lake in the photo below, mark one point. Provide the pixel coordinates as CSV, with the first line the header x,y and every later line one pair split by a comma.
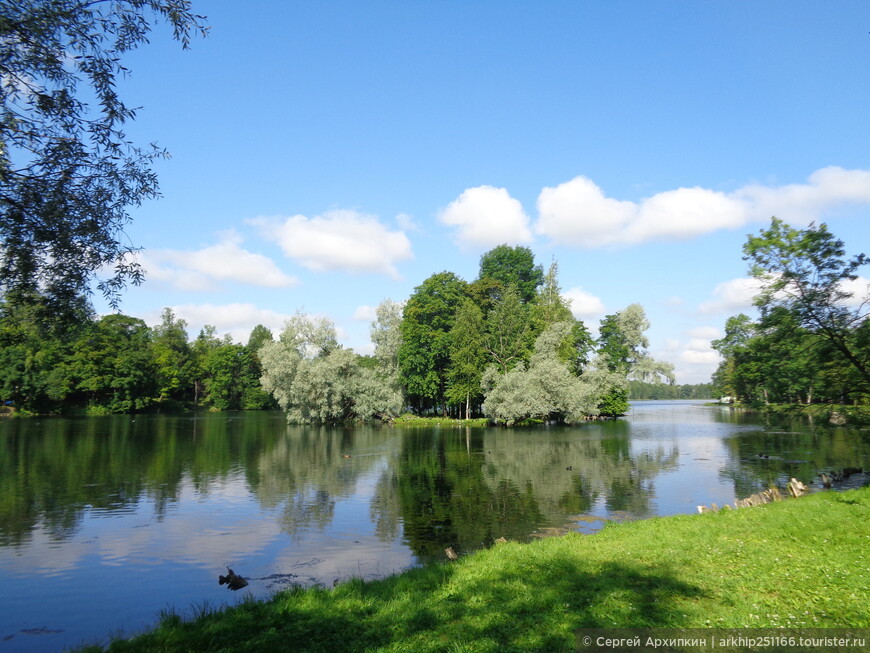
x,y
107,521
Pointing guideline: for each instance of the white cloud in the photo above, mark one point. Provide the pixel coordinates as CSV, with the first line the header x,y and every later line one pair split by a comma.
x,y
237,319
365,313
860,289
198,270
406,222
487,216
699,351
584,305
694,359
339,240
684,213
805,203
737,295
578,213
705,332
732,296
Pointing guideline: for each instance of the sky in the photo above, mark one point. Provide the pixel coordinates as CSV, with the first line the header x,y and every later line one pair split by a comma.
x,y
329,155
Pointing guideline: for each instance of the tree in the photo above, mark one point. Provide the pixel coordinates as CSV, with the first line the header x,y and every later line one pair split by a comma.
x,y
172,358
509,337
254,397
548,308
68,173
467,355
512,266
806,272
547,389
424,355
314,379
622,349
111,366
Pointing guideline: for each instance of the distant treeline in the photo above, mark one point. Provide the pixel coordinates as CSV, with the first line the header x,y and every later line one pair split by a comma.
x,y
117,364
641,390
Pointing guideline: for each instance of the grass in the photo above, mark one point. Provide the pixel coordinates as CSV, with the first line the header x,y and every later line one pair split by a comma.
x,y
795,563
409,419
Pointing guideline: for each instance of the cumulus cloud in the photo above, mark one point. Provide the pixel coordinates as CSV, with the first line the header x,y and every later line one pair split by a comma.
x,y
738,294
705,332
237,319
804,203
732,296
339,240
584,305
693,356
487,216
199,270
578,213
365,313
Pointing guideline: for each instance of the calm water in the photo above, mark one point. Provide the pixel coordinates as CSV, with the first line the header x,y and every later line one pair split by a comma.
x,y
104,522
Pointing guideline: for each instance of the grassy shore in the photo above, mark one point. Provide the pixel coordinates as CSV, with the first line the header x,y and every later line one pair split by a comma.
x,y
797,563
409,419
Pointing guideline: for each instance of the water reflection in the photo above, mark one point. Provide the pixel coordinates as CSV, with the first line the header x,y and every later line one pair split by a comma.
x,y
96,506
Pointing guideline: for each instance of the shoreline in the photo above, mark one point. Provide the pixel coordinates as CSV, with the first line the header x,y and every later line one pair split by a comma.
x,y
789,564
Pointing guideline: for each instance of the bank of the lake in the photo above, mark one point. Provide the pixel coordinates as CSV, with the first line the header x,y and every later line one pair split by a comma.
x,y
797,563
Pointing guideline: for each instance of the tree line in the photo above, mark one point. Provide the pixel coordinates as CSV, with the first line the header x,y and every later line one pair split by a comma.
x,y
117,364
505,346
811,341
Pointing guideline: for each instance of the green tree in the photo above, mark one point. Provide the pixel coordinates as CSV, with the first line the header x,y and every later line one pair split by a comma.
x,y
111,366
172,358
509,336
622,348
254,397
806,272
512,266
316,380
467,356
548,308
546,389
68,172
424,355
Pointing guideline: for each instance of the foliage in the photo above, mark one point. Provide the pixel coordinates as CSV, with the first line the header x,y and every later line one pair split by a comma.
x,y
315,380
642,390
810,343
622,349
424,355
116,364
547,390
68,173
512,266
691,571
467,356
806,272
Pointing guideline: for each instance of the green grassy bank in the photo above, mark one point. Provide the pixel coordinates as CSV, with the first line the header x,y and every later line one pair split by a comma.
x,y
800,562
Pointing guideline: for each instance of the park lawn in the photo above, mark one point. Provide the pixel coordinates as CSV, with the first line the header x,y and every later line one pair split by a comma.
x,y
796,563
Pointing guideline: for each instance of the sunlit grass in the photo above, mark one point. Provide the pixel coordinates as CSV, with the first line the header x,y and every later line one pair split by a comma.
x,y
795,563
409,419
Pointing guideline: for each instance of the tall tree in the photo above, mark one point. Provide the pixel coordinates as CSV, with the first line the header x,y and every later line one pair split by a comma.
x,y
512,266
509,336
424,355
467,356
806,271
622,348
254,397
172,358
550,307
68,172
111,366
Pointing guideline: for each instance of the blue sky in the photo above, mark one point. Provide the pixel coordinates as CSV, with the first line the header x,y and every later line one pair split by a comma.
x,y
329,155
